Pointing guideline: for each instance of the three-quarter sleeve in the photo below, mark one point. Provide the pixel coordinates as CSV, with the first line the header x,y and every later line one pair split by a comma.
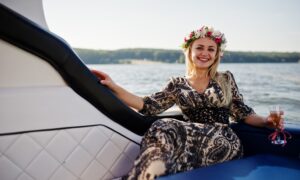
x,y
238,109
160,101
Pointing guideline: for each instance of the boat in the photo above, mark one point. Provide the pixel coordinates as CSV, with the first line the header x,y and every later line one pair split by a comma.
x,y
58,122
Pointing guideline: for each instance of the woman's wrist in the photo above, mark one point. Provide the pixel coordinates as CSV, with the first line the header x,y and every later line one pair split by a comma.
x,y
265,122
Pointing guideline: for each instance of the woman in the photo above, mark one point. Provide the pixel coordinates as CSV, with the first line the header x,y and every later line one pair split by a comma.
x,y
207,99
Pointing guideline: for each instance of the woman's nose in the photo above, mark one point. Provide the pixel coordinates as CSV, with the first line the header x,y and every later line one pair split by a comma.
x,y
204,53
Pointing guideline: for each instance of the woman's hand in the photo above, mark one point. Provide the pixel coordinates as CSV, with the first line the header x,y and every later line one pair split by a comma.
x,y
104,78
128,98
271,121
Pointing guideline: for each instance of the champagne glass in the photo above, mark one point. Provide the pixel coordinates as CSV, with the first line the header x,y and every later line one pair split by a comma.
x,y
276,137
275,115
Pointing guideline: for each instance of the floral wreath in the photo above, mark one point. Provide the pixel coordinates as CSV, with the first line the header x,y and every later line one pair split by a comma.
x,y
205,31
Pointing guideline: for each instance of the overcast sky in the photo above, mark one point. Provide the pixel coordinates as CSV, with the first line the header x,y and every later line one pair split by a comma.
x,y
255,25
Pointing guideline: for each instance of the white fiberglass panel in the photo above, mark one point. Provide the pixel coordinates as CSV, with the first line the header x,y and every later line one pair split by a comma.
x,y
19,68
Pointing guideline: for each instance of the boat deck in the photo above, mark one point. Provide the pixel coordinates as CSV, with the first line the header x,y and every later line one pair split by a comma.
x,y
253,167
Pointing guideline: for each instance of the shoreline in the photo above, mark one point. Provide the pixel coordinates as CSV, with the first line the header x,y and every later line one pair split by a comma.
x,y
144,62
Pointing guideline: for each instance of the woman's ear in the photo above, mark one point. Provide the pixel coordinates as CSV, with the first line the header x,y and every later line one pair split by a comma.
x,y
221,54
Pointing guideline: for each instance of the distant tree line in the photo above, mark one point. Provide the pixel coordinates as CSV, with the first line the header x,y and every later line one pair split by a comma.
x,y
176,56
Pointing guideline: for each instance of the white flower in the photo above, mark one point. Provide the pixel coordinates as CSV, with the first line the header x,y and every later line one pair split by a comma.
x,y
216,33
222,47
197,34
203,31
210,29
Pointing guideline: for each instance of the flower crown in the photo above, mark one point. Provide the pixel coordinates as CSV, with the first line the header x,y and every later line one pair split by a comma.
x,y
205,31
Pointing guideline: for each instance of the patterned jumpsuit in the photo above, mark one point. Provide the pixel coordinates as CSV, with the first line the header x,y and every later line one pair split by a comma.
x,y
203,138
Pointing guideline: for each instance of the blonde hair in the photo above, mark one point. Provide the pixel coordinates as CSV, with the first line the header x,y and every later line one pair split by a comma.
x,y
220,78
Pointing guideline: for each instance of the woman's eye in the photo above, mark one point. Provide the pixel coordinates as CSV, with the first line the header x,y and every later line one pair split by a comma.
x,y
211,50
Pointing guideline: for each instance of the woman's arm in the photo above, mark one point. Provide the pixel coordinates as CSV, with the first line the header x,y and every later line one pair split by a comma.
x,y
240,110
260,121
128,98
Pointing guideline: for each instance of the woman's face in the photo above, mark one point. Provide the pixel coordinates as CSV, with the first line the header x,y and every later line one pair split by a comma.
x,y
203,53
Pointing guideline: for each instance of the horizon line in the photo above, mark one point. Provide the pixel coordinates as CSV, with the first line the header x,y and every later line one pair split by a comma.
x,y
131,48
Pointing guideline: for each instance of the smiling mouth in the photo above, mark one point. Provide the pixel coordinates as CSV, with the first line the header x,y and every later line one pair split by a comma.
x,y
203,59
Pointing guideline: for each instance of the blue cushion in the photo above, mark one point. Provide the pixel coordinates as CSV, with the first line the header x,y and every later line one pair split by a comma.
x,y
254,167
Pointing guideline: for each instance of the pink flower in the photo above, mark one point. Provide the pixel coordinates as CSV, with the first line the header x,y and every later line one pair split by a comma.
x,y
208,34
218,40
185,40
192,34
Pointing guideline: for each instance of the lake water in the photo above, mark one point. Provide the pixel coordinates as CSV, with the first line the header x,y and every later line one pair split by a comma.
x,y
261,84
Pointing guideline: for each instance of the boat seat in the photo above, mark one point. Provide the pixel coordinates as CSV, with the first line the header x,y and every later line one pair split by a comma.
x,y
262,166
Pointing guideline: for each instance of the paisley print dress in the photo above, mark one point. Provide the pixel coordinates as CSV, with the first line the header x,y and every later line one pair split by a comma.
x,y
203,138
